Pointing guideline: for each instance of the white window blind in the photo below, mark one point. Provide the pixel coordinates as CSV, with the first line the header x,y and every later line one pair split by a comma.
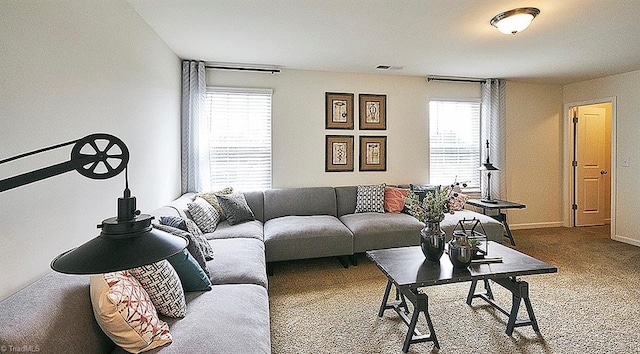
x,y
239,126
454,142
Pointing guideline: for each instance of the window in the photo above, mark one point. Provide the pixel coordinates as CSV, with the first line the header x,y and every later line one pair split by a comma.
x,y
239,125
454,142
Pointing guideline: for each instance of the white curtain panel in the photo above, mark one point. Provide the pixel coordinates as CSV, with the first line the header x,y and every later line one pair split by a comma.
x,y
494,129
195,151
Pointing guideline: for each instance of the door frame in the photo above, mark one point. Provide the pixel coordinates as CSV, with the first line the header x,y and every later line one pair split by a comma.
x,y
568,180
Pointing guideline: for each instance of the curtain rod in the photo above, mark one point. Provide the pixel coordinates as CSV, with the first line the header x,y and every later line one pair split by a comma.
x,y
261,70
456,79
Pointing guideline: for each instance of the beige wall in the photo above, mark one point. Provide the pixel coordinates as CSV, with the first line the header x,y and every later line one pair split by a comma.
x,y
69,69
626,125
534,154
534,133
298,123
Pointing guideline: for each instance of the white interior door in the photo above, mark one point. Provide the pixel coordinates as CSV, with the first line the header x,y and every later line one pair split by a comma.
x,y
591,167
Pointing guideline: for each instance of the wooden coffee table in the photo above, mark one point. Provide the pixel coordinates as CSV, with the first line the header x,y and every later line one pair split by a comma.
x,y
407,269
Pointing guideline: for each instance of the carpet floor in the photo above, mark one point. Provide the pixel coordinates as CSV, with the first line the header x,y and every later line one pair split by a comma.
x,y
592,305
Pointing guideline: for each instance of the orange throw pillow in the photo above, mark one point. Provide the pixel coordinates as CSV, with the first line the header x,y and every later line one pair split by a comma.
x,y
394,199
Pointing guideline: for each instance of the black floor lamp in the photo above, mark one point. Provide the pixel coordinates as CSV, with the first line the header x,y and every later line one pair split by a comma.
x,y
125,241
488,166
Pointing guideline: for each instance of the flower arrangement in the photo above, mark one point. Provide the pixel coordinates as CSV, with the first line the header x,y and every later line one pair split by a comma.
x,y
446,199
433,207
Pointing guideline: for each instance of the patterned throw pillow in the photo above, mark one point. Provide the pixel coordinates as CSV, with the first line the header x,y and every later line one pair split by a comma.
x,y
193,247
394,199
205,216
125,312
458,201
236,208
370,199
211,198
163,285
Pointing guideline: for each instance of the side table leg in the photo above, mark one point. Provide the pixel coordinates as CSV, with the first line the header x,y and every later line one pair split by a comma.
x,y
506,227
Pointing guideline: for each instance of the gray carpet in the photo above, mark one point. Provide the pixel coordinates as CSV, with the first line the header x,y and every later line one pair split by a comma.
x,y
590,306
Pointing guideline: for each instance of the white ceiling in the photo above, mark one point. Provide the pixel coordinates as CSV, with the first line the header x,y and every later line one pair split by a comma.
x,y
570,41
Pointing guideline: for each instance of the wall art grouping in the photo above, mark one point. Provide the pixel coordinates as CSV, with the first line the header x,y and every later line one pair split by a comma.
x,y
339,149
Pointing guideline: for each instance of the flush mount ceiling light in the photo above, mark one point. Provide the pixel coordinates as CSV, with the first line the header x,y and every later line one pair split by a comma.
x,y
514,21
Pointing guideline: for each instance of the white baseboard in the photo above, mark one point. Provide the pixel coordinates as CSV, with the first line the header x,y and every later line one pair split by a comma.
x,y
631,241
535,225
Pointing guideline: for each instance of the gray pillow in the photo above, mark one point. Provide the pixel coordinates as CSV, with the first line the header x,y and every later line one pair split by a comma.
x,y
235,207
193,247
370,199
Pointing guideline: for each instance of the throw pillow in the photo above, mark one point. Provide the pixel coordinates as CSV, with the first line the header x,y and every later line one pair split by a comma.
x,y
125,312
370,199
163,285
193,247
192,276
458,201
211,198
205,216
394,199
200,239
236,208
174,221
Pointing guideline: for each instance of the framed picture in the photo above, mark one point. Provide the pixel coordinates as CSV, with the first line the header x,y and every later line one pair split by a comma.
x,y
373,153
339,153
338,110
373,112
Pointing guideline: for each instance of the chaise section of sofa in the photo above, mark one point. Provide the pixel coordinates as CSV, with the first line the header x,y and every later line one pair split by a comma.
x,y
302,223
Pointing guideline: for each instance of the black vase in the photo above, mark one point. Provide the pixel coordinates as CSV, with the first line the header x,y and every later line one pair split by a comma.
x,y
432,241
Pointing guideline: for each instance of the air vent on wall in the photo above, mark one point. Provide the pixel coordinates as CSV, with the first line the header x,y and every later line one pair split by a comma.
x,y
388,67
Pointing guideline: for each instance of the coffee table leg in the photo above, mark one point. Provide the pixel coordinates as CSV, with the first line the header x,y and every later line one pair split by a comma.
x,y
413,336
385,298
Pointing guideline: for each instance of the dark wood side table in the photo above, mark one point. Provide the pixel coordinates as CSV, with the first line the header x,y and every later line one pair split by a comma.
x,y
500,216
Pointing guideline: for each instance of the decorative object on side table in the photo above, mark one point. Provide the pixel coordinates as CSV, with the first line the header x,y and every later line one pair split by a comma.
x,y
488,166
431,212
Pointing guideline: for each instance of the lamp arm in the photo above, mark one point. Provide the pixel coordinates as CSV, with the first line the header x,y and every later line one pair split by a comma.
x,y
87,157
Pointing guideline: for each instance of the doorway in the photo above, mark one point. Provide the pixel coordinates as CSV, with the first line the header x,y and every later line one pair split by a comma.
x,y
591,162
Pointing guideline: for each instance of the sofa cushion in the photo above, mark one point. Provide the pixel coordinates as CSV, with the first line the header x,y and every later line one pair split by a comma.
x,y
230,319
299,201
125,312
370,199
299,237
205,216
346,199
249,229
238,261
163,285
236,209
40,314
375,231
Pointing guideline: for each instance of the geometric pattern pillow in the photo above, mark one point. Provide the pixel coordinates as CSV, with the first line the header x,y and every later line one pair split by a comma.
x,y
200,239
370,199
235,207
205,216
213,200
163,285
125,313
193,247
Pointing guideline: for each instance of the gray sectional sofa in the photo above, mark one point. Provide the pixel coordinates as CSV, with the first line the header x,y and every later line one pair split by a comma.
x,y
54,314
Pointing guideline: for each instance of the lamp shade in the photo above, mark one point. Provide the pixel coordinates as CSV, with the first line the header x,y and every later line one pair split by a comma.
x,y
514,21
488,166
120,245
